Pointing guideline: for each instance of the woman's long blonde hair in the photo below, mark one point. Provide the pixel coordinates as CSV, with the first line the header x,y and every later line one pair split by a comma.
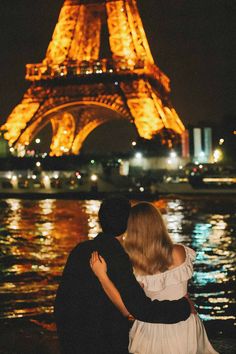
x,y
147,241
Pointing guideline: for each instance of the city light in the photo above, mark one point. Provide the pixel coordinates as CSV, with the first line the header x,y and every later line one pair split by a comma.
x,y
38,141
202,154
94,178
138,155
46,182
219,180
217,155
134,143
14,181
221,141
201,158
173,160
173,155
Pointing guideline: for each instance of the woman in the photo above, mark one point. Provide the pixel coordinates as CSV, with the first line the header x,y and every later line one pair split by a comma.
x,y
163,269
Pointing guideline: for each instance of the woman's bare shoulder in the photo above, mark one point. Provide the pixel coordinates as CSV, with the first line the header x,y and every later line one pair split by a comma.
x,y
178,255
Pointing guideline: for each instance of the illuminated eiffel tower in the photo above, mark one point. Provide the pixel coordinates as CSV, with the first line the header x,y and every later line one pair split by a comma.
x,y
75,90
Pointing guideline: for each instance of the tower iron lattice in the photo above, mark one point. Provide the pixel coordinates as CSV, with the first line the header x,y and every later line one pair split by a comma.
x,y
75,90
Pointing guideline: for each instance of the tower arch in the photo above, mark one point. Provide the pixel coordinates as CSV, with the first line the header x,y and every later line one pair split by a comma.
x,y
71,124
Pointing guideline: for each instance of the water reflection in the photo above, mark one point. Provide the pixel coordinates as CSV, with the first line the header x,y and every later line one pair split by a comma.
x,y
47,206
212,234
37,236
174,220
14,207
91,209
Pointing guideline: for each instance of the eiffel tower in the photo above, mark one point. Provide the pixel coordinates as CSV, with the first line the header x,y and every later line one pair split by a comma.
x,y
75,89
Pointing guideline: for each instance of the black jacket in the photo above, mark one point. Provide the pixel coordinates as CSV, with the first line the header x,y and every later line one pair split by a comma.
x,y
87,321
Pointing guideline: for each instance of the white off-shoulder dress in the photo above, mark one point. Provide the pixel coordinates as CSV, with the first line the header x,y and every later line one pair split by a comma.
x,y
186,337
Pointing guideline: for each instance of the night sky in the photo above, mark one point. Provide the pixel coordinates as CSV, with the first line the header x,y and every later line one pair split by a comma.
x,y
192,41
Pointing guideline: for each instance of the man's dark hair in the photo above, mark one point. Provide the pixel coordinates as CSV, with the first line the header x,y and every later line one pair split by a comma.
x,y
113,215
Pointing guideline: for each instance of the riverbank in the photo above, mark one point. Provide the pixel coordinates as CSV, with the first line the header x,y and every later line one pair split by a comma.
x,y
161,189
26,337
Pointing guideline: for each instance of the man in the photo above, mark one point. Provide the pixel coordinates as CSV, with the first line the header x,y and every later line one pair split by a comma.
x,y
87,321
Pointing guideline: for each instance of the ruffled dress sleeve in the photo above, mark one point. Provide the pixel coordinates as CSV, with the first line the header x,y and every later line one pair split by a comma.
x,y
172,283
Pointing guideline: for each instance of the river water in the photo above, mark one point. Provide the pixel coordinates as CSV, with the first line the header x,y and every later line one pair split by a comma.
x,y
37,235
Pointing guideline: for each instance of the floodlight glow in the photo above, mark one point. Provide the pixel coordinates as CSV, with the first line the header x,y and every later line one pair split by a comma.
x,y
202,154
138,155
94,178
173,154
217,155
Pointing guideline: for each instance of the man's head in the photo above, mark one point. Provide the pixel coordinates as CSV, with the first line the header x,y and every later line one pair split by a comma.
x,y
113,215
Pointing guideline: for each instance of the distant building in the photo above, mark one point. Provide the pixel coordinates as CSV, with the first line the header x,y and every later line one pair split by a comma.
x,y
185,144
208,144
197,142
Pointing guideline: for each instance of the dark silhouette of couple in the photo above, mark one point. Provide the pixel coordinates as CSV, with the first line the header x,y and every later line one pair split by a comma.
x,y
126,290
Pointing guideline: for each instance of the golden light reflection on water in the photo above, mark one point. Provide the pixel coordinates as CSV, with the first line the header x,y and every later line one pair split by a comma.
x,y
36,239
174,219
14,204
37,236
47,206
91,209
14,220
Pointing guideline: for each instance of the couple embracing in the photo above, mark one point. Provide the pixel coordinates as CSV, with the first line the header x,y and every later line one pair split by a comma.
x,y
125,291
